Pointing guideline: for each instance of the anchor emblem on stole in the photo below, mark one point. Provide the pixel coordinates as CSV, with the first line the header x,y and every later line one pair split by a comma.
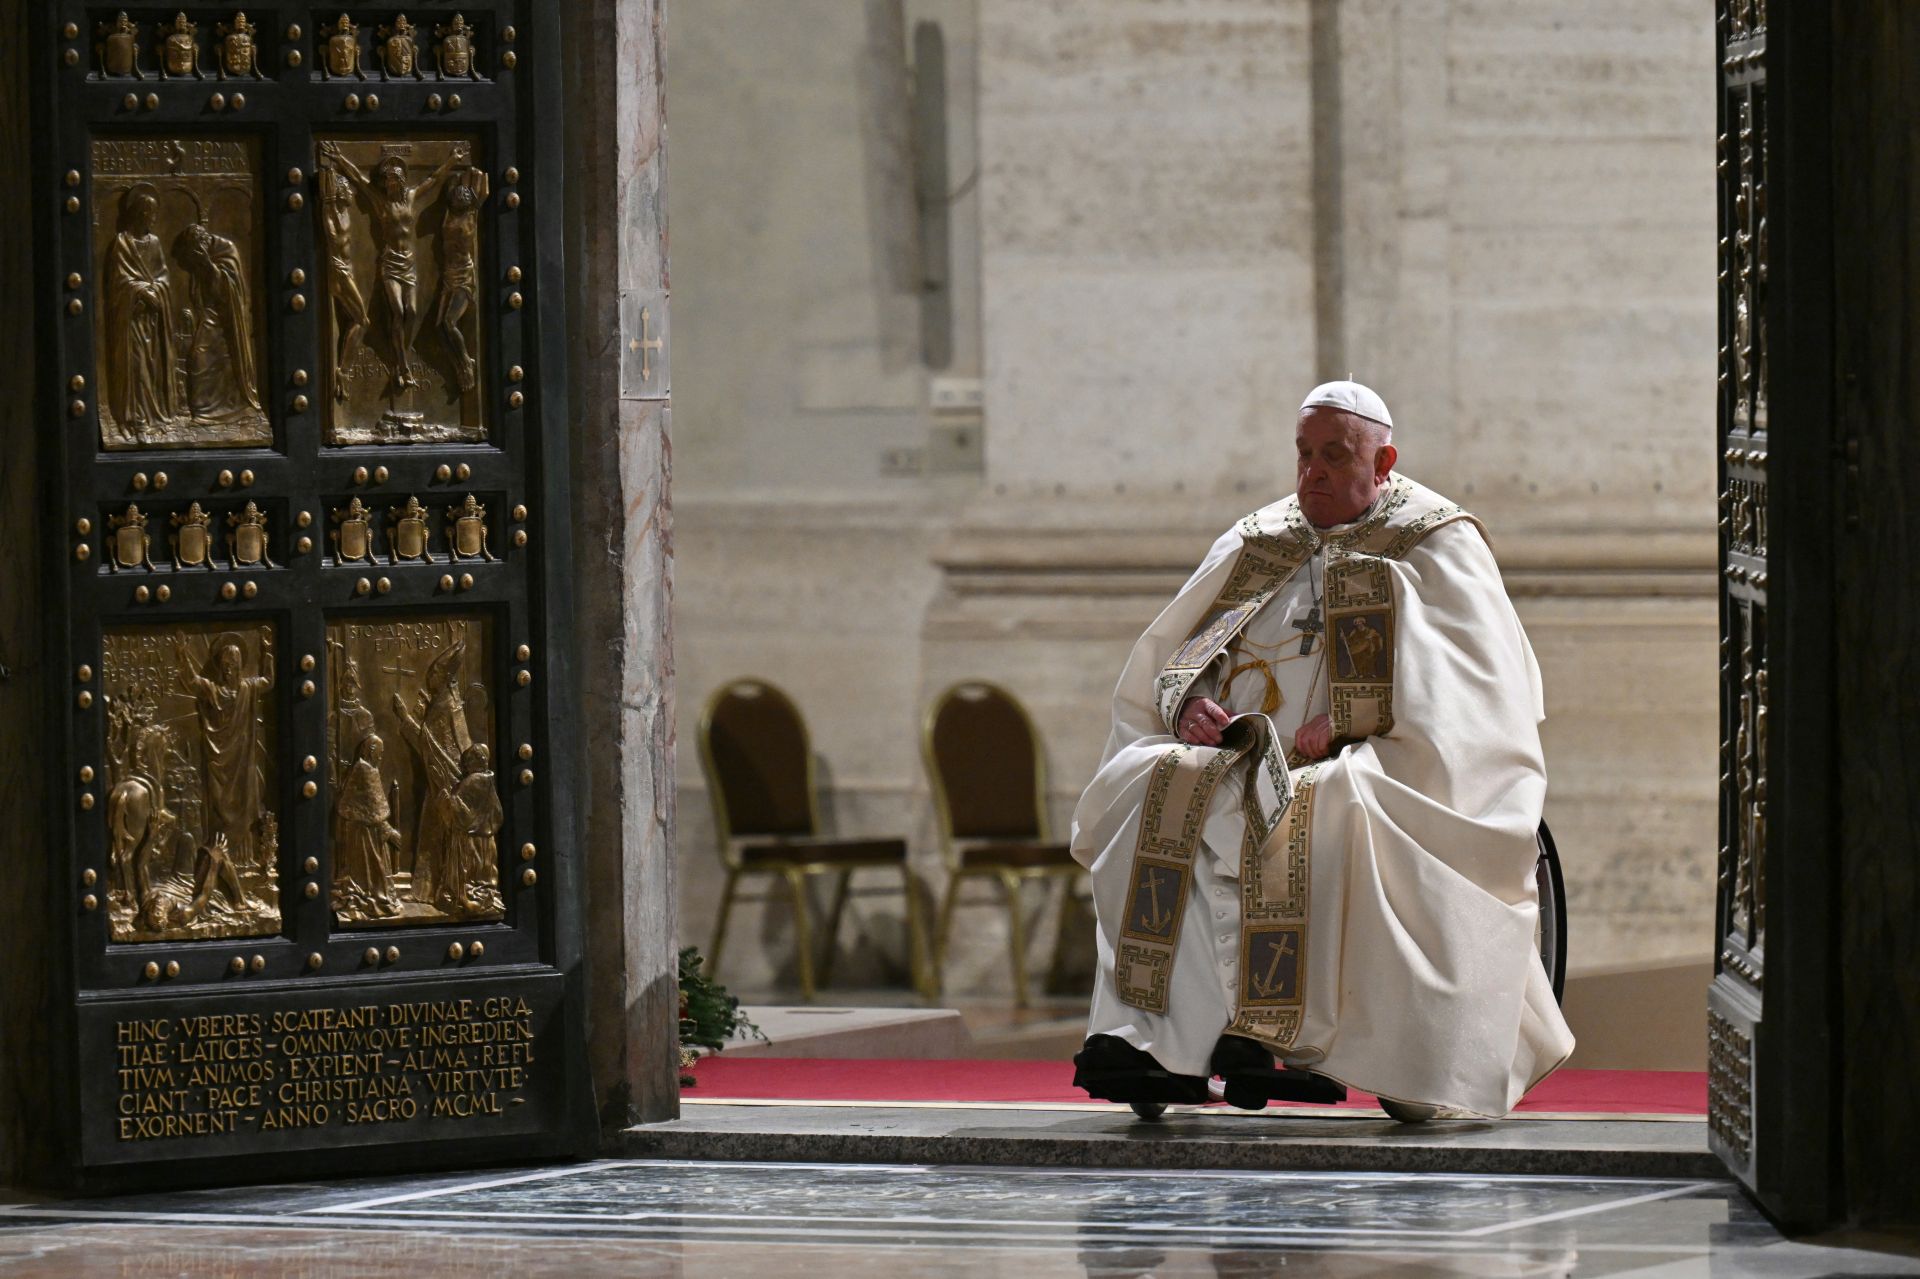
x,y
1153,918
1270,986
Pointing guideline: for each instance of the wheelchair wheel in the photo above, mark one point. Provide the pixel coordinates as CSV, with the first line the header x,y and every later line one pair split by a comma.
x,y
1551,932
1149,1110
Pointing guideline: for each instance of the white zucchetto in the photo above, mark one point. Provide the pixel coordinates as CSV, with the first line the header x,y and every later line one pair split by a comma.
x,y
1350,397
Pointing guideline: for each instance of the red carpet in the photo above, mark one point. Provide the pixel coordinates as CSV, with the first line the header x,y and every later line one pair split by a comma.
x,y
724,1078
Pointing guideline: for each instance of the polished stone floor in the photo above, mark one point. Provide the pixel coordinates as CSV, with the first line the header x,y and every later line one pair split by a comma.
x,y
837,1221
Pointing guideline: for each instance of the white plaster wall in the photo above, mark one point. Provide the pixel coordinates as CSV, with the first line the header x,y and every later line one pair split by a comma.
x,y
1528,251
1527,248
797,355
1521,254
1147,240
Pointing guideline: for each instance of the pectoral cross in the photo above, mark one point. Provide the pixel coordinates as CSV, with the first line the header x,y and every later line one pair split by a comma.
x,y
1309,627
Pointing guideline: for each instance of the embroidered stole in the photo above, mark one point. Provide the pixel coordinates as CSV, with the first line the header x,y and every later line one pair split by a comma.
x,y
1276,854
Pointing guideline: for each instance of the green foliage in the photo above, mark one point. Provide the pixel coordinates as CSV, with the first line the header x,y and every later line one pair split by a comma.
x,y
709,1016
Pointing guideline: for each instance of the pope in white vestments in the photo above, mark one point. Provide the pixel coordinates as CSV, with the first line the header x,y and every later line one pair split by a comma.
x,y
1312,835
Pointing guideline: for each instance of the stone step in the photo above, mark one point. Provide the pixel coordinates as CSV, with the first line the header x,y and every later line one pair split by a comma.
x,y
1077,1136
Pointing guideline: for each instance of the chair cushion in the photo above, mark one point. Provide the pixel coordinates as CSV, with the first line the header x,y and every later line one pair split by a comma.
x,y
876,852
1015,856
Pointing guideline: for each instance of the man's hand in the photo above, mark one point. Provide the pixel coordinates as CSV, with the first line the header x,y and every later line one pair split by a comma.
x,y
1315,737
1200,721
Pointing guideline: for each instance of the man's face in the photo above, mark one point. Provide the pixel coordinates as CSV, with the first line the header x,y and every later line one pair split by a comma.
x,y
1343,462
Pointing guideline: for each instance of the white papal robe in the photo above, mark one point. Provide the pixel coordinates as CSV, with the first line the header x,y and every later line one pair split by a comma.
x,y
1418,974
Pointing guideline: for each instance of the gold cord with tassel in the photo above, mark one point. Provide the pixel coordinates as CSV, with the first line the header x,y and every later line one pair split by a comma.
x,y
1272,699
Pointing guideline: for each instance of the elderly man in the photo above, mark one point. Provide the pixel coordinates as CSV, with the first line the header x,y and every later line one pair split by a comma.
x,y
1312,834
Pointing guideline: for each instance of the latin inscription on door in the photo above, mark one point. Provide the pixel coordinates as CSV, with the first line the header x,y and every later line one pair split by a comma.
x,y
380,1064
209,1073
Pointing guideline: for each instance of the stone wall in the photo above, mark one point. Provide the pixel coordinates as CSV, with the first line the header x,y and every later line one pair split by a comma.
x,y
1499,212
622,588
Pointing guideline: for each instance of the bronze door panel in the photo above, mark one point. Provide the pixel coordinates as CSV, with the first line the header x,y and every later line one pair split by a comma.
x,y
177,236
191,756
411,747
398,228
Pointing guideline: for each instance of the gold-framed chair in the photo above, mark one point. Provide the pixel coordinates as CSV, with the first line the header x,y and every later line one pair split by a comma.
x,y
759,766
988,774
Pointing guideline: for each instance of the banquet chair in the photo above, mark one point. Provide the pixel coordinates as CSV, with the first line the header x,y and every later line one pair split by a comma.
x,y
989,780
759,766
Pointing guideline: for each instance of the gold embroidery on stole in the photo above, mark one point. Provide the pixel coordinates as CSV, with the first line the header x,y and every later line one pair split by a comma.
x,y
1266,563
1277,854
1273,924
1178,792
1360,636
1172,816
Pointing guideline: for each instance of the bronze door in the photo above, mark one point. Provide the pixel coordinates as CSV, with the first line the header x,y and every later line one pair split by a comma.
x,y
1744,414
304,392
1770,1068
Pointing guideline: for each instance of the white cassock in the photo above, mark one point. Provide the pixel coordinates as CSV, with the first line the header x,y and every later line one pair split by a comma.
x,y
1407,924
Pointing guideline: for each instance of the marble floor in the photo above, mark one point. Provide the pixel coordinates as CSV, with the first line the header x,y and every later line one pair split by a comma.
x,y
707,1220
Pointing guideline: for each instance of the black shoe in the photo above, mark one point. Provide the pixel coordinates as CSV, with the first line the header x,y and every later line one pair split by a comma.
x,y
1111,1069
1252,1079
1247,1070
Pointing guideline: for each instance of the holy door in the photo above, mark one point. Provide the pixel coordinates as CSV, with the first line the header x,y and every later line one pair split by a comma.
x,y
1745,416
302,398
1772,1018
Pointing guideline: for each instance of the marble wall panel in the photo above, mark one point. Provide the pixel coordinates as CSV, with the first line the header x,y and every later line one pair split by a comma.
x,y
1631,744
1577,72
1146,236
799,359
824,602
1523,188
1175,397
